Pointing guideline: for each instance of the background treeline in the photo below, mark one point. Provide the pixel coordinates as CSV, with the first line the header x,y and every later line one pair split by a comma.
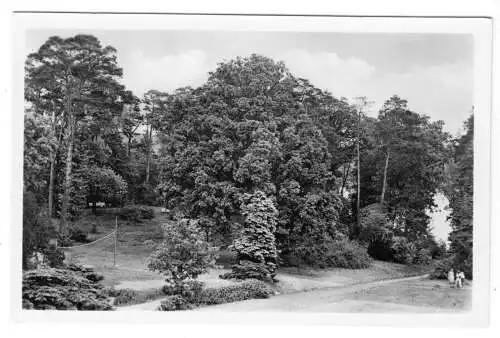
x,y
253,140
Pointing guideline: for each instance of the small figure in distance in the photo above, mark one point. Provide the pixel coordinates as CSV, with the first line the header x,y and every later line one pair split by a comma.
x,y
451,278
460,278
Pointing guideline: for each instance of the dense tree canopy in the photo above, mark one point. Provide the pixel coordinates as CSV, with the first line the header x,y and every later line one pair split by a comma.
x,y
253,128
459,191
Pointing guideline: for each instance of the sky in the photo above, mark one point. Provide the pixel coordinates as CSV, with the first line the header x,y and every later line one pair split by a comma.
x,y
434,72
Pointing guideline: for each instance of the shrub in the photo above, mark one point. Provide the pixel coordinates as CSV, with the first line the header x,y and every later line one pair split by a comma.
x,y
315,225
339,253
249,289
256,247
375,224
175,302
78,235
123,296
403,251
146,212
130,296
37,230
183,255
87,272
55,257
134,213
347,254
62,289
189,289
423,257
103,184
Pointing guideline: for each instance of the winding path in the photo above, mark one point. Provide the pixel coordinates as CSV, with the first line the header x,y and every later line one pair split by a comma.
x,y
328,299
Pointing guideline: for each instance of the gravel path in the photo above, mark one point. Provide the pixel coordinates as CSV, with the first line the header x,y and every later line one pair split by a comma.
x,y
324,299
331,299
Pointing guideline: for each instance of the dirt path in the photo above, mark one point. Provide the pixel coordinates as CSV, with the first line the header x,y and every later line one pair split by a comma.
x,y
314,300
329,299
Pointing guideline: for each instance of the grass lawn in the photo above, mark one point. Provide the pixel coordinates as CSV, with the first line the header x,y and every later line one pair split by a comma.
x,y
137,241
422,293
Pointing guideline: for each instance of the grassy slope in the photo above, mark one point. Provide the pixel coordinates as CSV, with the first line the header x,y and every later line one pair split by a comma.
x,y
135,244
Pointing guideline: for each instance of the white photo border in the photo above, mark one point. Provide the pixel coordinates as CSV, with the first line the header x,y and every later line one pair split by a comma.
x,y
480,28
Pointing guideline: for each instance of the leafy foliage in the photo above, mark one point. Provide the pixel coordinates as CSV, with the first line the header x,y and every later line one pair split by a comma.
x,y
252,126
404,251
422,257
346,254
39,144
37,231
105,185
136,213
63,289
183,255
248,289
257,156
174,303
256,247
414,149
441,267
459,191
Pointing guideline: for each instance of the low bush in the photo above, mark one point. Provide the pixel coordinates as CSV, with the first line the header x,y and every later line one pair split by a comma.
x,y
403,251
249,289
174,303
122,296
78,235
189,289
340,253
347,254
87,272
252,270
63,289
136,213
55,257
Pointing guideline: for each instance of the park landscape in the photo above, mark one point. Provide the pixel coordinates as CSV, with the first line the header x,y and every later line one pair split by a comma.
x,y
254,191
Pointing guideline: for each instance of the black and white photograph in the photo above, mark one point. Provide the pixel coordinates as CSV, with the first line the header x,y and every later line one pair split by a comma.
x,y
242,164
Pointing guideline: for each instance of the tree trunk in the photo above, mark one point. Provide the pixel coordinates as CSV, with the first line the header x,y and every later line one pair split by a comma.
x,y
149,144
384,183
69,162
358,202
53,157
67,177
51,184
345,175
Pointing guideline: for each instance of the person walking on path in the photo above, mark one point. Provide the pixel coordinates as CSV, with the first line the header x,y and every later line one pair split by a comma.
x,y
451,278
459,279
